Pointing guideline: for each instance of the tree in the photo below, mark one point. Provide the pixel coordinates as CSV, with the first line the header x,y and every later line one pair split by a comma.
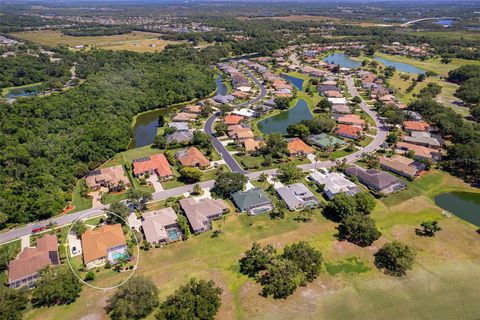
x,y
324,105
281,278
184,226
358,229
275,145
90,276
198,299
298,130
365,202
228,183
189,174
392,138
12,303
56,286
159,142
136,299
120,209
395,257
430,228
356,99
289,173
139,199
225,109
389,71
221,128
201,139
256,259
282,103
197,189
308,259
79,227
341,206
320,124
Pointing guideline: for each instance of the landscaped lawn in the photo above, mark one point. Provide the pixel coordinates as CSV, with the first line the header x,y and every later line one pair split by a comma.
x,y
206,176
441,286
78,202
254,163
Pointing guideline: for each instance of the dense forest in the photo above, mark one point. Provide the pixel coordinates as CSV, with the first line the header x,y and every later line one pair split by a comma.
x,y
46,143
27,68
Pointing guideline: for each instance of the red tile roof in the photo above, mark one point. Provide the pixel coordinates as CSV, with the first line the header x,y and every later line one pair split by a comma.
x,y
157,162
95,243
416,126
193,157
296,146
232,119
348,130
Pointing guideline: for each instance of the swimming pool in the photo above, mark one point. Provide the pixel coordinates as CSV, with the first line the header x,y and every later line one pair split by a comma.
x,y
119,255
173,235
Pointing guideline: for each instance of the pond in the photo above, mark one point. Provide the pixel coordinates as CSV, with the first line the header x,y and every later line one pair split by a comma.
x,y
297,82
22,92
146,126
280,122
465,205
343,60
399,66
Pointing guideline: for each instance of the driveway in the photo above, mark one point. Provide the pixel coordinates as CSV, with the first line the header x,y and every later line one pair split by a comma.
x,y
153,179
74,242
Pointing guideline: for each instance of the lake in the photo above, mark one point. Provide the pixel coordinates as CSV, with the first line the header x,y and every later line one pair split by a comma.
x,y
343,60
280,122
445,22
297,82
465,205
399,66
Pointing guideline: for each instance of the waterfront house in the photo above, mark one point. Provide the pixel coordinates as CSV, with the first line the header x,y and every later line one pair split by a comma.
x,y
184,117
180,126
179,137
325,141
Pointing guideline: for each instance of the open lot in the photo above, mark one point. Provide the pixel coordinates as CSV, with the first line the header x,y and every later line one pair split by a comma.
x,y
443,284
134,41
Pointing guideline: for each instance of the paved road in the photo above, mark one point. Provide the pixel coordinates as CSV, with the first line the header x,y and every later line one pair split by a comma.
x,y
229,159
406,24
69,218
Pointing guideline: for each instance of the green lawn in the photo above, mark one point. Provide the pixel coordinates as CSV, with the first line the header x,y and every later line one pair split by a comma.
x,y
206,176
254,163
78,202
442,284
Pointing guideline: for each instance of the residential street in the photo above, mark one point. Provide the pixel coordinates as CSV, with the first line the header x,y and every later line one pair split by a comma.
x,y
233,165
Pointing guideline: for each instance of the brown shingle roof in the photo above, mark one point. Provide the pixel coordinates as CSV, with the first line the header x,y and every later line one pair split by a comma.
x,y
31,260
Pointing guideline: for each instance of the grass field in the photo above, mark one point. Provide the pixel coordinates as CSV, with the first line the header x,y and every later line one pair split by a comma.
x,y
292,18
442,285
134,41
449,35
433,65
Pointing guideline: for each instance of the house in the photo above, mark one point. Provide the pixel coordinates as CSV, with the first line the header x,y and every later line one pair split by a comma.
x,y
410,126
244,112
240,95
253,201
184,117
401,165
340,109
161,226
179,137
180,126
200,213
235,129
113,178
378,181
154,164
424,139
297,196
192,157
23,271
244,135
337,101
193,109
352,119
329,83
325,141
324,88
232,119
348,131
333,94
421,152
105,243
298,147
251,145
333,183
226,99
